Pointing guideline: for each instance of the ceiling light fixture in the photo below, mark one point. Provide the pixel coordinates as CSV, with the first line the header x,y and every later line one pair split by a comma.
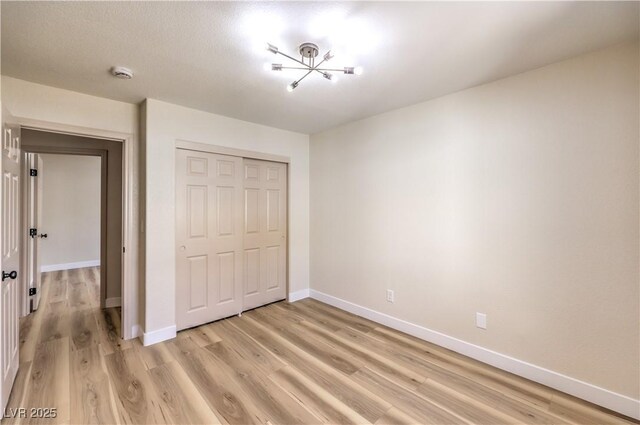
x,y
307,62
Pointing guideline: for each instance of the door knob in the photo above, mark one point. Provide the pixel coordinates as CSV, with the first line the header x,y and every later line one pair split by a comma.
x,y
11,275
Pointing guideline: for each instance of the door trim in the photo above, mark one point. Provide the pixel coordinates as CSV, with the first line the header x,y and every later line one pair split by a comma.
x,y
223,150
130,261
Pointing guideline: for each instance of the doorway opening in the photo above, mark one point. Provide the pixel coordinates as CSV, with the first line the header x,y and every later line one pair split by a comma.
x,y
64,221
73,229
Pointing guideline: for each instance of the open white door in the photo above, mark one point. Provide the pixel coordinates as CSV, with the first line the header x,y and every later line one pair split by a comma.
x,y
9,260
34,222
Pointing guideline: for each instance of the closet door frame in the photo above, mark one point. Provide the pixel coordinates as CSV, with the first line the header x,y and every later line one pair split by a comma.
x,y
223,150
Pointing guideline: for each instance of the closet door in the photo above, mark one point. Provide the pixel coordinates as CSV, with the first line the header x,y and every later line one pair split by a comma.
x,y
265,232
209,206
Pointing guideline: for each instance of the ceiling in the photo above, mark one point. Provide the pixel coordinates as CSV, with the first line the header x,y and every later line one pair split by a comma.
x,y
205,55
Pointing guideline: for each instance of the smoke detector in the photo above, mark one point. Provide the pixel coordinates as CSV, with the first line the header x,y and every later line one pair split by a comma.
x,y
122,72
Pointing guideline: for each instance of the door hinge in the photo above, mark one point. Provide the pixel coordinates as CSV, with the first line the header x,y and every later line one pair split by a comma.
x,y
123,250
33,172
32,291
33,232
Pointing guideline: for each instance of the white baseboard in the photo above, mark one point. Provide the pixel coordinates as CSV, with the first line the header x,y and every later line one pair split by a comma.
x,y
136,331
69,266
298,295
153,337
113,302
600,396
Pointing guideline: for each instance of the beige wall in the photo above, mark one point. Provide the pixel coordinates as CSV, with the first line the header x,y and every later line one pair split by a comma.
x,y
70,209
166,123
518,199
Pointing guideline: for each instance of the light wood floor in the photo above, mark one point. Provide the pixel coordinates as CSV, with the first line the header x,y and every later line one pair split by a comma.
x,y
282,364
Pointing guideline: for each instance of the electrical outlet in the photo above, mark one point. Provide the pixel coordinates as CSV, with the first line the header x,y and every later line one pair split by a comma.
x,y
390,295
481,320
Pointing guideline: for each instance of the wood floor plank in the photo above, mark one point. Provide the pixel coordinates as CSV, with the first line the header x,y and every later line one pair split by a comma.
x,y
203,335
313,345
384,365
183,402
396,416
274,404
321,402
514,407
57,290
109,328
92,400
301,313
222,394
153,355
49,380
55,323
362,401
463,406
78,295
424,410
338,315
499,380
84,330
29,332
247,348
135,396
91,277
581,412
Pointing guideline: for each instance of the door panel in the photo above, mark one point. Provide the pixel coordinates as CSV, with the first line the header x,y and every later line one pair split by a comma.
x,y
9,261
197,211
208,237
197,282
251,271
264,238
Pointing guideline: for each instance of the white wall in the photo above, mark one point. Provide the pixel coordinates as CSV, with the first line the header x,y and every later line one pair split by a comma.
x,y
518,199
166,123
70,210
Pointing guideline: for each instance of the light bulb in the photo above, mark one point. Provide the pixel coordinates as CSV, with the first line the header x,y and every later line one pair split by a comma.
x,y
358,70
292,86
271,48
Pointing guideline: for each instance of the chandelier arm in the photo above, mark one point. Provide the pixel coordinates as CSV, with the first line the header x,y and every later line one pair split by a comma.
x,y
304,76
319,63
294,59
295,67
319,71
330,69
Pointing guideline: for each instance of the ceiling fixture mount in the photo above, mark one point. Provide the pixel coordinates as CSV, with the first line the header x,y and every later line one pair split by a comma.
x,y
121,72
307,62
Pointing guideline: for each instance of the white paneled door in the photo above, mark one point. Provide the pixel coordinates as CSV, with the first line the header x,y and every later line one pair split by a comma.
x,y
208,237
231,235
9,260
265,235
